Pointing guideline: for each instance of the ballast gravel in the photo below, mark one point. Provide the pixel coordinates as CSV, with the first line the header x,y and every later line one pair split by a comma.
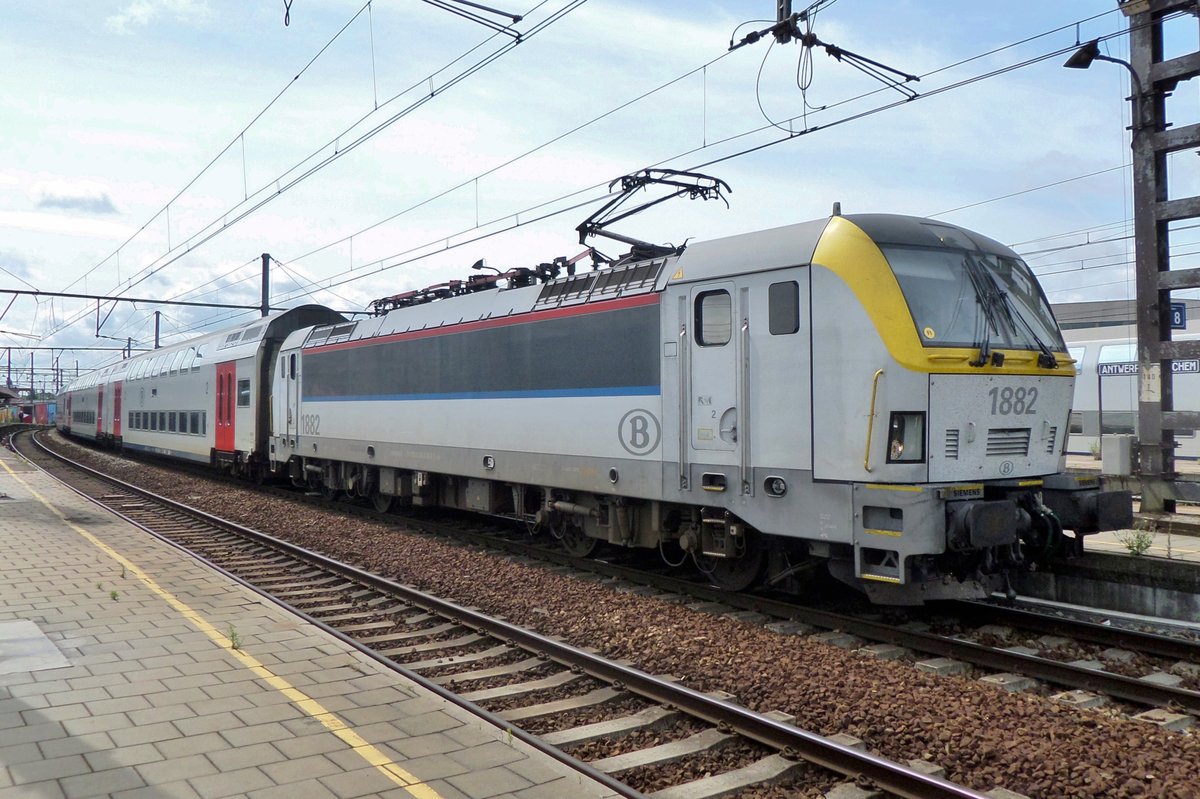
x,y
984,737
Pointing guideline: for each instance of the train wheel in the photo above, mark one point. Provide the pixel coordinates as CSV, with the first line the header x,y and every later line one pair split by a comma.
x,y
381,502
329,493
576,542
737,574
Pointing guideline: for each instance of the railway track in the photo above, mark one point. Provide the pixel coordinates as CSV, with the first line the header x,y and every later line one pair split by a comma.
x,y
1008,664
669,739
1005,658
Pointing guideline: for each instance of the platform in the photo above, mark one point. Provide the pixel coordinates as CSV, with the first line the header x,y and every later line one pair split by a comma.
x,y
119,676
1172,536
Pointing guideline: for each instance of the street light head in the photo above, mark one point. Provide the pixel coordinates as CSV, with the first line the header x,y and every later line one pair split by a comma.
x,y
1084,56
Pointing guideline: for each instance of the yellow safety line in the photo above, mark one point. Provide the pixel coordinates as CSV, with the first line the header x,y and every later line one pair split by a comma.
x,y
305,703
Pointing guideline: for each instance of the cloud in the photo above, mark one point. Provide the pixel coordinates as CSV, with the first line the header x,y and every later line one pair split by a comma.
x,y
140,13
63,225
85,197
14,264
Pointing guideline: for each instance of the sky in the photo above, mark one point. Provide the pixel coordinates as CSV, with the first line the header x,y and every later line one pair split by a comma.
x,y
155,149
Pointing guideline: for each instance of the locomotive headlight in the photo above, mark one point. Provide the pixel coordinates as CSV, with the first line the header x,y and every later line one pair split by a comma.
x,y
906,437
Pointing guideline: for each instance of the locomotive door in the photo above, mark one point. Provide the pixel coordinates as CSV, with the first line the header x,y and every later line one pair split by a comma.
x,y
226,380
99,411
293,399
117,409
714,344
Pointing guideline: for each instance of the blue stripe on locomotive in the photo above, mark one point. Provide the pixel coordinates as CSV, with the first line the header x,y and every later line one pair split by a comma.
x,y
611,353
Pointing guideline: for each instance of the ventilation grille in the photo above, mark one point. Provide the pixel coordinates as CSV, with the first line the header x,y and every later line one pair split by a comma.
x,y
1008,441
1051,440
331,334
617,281
952,444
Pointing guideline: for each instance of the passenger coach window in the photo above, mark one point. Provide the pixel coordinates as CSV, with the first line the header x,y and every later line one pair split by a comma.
x,y
292,366
783,306
243,393
714,318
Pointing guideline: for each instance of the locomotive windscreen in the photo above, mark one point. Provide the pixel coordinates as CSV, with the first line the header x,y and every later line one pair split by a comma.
x,y
959,298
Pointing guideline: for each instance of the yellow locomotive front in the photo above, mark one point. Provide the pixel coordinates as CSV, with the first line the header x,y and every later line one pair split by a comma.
x,y
937,354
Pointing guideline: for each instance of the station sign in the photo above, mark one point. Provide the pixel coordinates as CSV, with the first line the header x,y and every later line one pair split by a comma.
x,y
1179,316
1183,366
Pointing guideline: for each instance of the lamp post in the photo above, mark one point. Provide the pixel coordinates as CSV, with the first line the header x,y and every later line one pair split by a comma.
x,y
1083,58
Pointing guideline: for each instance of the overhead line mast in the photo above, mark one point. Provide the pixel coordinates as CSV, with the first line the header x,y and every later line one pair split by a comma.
x,y
1153,79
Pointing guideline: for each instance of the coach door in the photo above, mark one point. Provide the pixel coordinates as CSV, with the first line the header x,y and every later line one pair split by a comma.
x,y
293,397
117,409
99,411
226,390
285,398
719,336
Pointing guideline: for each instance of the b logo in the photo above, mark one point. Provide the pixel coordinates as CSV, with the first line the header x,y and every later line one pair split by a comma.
x,y
1006,468
639,432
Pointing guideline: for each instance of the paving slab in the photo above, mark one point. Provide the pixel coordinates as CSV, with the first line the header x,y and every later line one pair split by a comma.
x,y
117,677
25,648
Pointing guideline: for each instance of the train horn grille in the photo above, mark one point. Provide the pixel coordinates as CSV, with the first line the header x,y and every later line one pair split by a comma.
x,y
1008,441
1051,437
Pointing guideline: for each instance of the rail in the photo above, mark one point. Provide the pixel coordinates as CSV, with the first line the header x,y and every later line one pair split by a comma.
x,y
792,741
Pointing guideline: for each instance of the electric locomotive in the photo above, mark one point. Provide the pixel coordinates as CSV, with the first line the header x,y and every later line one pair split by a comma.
x,y
885,394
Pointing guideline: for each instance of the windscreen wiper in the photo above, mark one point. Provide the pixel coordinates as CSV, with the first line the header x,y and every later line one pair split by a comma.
x,y
1046,358
985,292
